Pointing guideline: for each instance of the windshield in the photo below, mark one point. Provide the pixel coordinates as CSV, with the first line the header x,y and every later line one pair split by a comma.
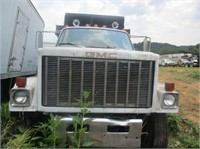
x,y
95,38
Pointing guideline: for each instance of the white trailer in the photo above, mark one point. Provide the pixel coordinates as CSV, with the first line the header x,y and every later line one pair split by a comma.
x,y
20,23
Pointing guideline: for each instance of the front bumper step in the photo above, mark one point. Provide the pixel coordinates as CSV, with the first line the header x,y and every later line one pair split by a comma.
x,y
111,133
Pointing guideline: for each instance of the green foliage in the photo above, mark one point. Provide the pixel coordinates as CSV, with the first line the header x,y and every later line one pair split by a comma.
x,y
79,136
174,121
163,48
183,133
47,134
195,49
7,122
21,140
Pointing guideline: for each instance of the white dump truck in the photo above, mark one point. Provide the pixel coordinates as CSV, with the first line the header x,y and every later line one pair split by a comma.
x,y
20,23
94,53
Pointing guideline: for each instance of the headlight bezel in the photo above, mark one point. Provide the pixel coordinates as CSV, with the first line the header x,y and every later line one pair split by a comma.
x,y
14,102
170,106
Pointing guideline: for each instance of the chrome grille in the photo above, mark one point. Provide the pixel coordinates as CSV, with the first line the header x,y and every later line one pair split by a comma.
x,y
111,83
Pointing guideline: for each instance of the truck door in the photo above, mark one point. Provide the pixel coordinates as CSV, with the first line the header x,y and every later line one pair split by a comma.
x,y
19,42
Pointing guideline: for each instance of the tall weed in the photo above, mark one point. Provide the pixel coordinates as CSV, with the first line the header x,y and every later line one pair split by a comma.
x,y
79,138
7,122
21,140
47,134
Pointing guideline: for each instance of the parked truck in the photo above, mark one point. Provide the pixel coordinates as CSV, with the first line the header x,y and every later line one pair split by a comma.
x,y
95,54
20,23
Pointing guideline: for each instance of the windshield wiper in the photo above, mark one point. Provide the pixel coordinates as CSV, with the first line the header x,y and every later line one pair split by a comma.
x,y
109,47
69,43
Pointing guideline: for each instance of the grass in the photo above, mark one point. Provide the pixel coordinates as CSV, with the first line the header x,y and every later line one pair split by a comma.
x,y
183,133
185,74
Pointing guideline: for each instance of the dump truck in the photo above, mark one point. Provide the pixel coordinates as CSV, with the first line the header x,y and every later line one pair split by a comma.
x,y
94,53
20,22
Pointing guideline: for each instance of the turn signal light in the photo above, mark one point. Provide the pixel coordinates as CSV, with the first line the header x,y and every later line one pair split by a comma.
x,y
169,86
21,81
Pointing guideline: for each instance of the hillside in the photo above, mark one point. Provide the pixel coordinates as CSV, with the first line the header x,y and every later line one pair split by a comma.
x,y
166,48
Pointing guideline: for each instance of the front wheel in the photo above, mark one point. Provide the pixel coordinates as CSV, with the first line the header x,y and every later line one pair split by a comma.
x,y
155,131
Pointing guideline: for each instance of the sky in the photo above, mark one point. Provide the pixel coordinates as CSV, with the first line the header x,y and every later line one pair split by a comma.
x,y
166,21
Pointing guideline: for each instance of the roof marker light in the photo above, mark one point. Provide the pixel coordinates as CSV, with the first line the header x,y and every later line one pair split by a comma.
x,y
76,22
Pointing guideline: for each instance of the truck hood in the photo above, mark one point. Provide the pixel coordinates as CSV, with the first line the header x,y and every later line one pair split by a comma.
x,y
97,53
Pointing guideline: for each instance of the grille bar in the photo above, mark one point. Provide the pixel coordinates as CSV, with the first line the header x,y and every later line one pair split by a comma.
x,y
58,81
112,83
105,83
138,88
127,84
149,87
93,80
82,75
70,79
116,83
46,78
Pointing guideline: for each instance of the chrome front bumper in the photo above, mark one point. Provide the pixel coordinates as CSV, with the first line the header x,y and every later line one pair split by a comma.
x,y
104,132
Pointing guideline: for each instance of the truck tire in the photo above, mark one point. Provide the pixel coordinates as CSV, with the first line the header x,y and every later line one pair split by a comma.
x,y
155,131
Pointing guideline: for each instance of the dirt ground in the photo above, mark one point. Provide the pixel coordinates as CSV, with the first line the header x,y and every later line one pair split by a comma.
x,y
188,88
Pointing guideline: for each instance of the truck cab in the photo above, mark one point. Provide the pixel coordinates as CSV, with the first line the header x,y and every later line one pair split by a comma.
x,y
130,105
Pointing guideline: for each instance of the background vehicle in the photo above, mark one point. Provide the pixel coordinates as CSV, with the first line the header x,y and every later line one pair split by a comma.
x,y
95,54
184,62
167,62
20,22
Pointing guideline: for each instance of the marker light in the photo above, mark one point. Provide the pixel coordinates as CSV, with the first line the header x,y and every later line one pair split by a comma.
x,y
21,81
87,24
115,25
169,86
95,25
76,22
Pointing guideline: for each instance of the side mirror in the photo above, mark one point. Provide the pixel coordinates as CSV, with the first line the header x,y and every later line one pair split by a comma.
x,y
147,44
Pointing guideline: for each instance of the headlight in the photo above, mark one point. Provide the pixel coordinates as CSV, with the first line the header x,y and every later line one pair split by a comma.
x,y
20,98
169,100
